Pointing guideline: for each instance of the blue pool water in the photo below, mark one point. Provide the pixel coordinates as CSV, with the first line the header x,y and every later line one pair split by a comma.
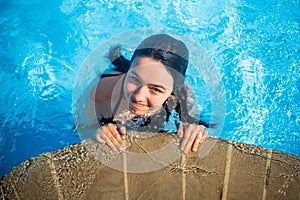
x,y
255,45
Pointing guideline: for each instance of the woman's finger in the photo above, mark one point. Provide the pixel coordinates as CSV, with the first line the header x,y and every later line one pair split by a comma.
x,y
184,138
193,135
201,135
107,134
180,131
115,135
112,135
122,130
188,139
197,141
99,139
111,145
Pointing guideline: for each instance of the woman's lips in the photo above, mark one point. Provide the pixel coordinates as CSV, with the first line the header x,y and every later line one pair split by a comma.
x,y
136,104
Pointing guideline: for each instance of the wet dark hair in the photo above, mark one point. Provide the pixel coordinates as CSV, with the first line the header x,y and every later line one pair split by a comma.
x,y
170,52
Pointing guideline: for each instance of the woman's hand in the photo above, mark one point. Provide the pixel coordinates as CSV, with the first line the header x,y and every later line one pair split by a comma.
x,y
191,135
110,134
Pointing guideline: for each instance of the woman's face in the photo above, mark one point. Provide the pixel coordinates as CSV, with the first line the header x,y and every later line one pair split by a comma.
x,y
147,85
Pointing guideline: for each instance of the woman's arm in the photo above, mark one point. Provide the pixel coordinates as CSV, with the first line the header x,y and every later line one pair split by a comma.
x,y
107,132
192,131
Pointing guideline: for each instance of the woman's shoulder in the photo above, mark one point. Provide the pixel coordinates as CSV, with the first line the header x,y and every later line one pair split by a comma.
x,y
103,90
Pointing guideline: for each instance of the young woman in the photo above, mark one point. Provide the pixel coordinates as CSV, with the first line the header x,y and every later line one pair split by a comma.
x,y
147,93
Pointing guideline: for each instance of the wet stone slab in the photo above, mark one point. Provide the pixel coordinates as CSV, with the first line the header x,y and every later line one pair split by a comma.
x,y
152,167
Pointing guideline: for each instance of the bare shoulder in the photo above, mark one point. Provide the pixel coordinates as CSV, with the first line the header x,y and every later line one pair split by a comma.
x,y
103,90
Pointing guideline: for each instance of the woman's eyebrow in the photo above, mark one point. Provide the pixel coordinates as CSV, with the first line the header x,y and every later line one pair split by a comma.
x,y
159,86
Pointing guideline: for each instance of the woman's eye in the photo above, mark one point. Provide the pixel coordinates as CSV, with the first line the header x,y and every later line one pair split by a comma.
x,y
155,90
134,79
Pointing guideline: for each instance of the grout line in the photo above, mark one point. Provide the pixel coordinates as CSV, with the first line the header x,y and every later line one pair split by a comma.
x,y
55,178
266,180
183,164
227,172
125,175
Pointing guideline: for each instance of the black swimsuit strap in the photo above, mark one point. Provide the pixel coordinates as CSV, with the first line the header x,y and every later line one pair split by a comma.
x,y
110,75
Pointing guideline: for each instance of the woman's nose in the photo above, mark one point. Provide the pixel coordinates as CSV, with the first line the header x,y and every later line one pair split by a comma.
x,y
141,93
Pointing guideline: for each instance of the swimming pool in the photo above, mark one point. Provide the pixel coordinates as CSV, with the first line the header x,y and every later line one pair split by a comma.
x,y
255,44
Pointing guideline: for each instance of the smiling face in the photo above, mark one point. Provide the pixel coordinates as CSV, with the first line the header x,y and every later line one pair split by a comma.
x,y
147,85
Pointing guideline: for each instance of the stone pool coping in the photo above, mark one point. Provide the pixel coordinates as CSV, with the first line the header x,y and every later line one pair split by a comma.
x,y
230,170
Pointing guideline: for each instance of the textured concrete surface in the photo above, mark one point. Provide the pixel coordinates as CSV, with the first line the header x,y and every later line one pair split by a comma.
x,y
89,170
